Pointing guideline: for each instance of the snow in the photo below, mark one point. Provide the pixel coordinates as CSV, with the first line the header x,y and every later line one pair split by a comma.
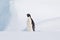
x,y
45,13
50,25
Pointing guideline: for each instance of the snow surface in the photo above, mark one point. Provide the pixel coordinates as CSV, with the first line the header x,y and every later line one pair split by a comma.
x,y
46,14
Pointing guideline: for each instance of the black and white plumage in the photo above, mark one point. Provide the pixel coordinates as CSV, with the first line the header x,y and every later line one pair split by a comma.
x,y
30,23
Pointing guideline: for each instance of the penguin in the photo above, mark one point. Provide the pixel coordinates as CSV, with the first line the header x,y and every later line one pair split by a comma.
x,y
30,23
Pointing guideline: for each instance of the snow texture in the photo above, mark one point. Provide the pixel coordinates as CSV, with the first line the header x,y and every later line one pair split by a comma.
x,y
45,13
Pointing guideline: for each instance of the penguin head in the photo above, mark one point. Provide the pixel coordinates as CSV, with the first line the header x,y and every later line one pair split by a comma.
x,y
28,15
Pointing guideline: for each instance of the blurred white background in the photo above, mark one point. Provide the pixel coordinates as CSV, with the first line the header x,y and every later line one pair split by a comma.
x,y
46,13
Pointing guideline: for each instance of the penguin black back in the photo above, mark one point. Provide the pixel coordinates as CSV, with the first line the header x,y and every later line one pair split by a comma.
x,y
33,25
32,22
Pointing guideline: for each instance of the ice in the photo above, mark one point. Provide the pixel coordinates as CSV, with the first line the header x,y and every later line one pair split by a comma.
x,y
4,14
46,14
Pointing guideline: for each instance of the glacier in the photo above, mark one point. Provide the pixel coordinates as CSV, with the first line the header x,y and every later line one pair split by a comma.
x,y
4,14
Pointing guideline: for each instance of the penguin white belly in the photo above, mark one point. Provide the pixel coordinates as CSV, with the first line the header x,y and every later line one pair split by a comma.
x,y
29,25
